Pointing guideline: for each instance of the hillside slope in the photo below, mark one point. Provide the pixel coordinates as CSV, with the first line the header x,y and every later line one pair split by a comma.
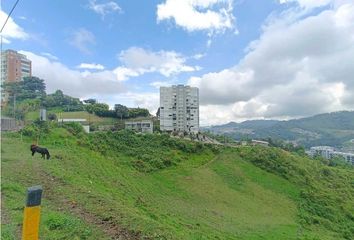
x,y
333,129
110,185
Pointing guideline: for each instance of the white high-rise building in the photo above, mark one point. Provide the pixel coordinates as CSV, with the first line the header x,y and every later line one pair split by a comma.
x,y
179,108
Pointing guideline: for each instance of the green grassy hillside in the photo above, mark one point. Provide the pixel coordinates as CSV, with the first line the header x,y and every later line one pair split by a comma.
x,y
31,116
111,185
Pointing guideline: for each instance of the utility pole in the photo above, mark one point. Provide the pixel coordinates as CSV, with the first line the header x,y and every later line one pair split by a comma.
x,y
14,105
2,28
1,70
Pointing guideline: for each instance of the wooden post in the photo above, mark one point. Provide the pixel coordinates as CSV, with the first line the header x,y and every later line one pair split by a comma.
x,y
30,227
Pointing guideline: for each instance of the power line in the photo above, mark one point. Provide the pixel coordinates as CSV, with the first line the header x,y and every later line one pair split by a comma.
x,y
2,28
13,8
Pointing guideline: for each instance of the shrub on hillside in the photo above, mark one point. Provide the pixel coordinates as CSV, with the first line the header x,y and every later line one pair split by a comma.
x,y
75,228
29,130
318,206
151,151
37,129
52,116
74,128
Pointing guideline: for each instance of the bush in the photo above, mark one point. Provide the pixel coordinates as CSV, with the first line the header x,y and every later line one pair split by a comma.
x,y
29,131
37,129
73,228
74,128
52,116
323,199
151,151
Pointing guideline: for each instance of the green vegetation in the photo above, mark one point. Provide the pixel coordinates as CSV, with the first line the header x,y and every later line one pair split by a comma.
x,y
219,137
135,186
119,111
29,96
63,102
29,88
92,118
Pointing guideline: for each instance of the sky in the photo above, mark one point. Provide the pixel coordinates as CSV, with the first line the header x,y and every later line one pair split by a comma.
x,y
269,59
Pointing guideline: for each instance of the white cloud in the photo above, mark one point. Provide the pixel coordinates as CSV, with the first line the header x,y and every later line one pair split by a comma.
x,y
215,114
194,15
82,39
224,87
137,61
12,30
308,4
94,66
199,56
73,82
298,67
146,100
158,84
104,8
49,55
124,73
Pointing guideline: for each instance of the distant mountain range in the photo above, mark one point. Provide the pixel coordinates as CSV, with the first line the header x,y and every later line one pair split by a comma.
x,y
333,129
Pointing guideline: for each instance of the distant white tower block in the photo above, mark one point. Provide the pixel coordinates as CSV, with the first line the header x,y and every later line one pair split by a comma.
x,y
179,108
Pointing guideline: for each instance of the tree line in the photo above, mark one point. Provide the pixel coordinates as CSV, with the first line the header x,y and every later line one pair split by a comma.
x,y
30,95
119,111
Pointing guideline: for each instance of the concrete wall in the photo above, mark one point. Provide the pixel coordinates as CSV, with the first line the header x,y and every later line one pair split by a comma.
x,y
10,124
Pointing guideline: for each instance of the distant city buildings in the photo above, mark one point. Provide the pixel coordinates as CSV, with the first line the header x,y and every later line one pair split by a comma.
x,y
179,108
259,142
14,66
143,126
329,153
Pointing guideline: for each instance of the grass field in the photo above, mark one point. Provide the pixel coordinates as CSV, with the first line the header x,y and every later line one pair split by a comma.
x,y
30,116
99,195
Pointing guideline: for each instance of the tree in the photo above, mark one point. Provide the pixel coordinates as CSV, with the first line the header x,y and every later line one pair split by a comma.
x,y
138,112
67,103
52,116
100,109
59,98
121,111
34,87
29,88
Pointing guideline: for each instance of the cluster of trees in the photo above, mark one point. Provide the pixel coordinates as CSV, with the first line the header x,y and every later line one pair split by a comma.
x,y
119,111
67,103
29,88
30,95
32,92
287,146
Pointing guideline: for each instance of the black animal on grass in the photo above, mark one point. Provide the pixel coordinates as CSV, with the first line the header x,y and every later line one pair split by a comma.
x,y
43,151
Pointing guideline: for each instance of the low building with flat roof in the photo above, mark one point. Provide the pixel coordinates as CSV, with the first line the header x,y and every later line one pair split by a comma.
x,y
82,121
143,126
